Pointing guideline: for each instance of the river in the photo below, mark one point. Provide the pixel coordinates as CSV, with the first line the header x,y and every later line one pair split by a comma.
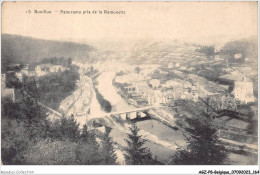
x,y
109,92
161,140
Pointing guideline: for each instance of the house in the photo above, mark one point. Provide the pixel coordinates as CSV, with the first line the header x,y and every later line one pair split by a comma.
x,y
186,95
8,94
167,95
27,73
131,116
194,93
101,129
243,91
187,84
184,90
141,87
150,99
42,69
12,94
177,92
141,114
130,89
45,69
155,83
164,100
123,116
137,87
57,68
158,97
10,79
154,97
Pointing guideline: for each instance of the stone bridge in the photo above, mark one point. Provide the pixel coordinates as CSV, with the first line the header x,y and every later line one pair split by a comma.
x,y
134,113
149,112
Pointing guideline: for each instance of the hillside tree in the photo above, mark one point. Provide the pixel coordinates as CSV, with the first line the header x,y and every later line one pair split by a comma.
x,y
108,151
203,144
136,152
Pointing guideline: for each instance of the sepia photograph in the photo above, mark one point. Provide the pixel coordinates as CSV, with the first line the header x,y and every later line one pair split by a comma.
x,y
129,83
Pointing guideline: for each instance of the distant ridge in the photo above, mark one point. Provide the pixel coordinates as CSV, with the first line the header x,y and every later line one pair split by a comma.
x,y
20,49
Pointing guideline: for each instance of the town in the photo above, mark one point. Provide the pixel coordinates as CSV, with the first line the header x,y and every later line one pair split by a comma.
x,y
157,96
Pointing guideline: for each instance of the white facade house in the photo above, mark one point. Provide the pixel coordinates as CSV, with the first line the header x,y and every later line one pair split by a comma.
x,y
6,93
138,87
141,87
131,115
243,91
44,69
57,68
194,93
154,97
41,70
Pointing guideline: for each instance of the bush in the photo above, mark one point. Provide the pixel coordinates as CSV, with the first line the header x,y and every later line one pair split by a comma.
x,y
14,141
65,129
53,89
51,153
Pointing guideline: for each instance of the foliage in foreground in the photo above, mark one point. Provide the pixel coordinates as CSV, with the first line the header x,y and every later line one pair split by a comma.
x,y
204,146
29,138
136,152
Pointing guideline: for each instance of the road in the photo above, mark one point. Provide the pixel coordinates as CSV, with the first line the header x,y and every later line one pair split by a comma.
x,y
82,103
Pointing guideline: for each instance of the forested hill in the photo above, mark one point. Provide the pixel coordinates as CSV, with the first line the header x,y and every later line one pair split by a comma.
x,y
19,49
248,47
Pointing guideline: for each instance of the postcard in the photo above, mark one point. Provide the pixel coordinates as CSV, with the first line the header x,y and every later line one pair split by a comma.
x,y
129,83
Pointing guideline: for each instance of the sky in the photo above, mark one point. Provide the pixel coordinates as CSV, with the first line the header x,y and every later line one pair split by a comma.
x,y
142,20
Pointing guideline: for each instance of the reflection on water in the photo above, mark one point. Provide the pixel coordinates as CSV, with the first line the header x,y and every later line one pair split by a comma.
x,y
164,133
158,129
